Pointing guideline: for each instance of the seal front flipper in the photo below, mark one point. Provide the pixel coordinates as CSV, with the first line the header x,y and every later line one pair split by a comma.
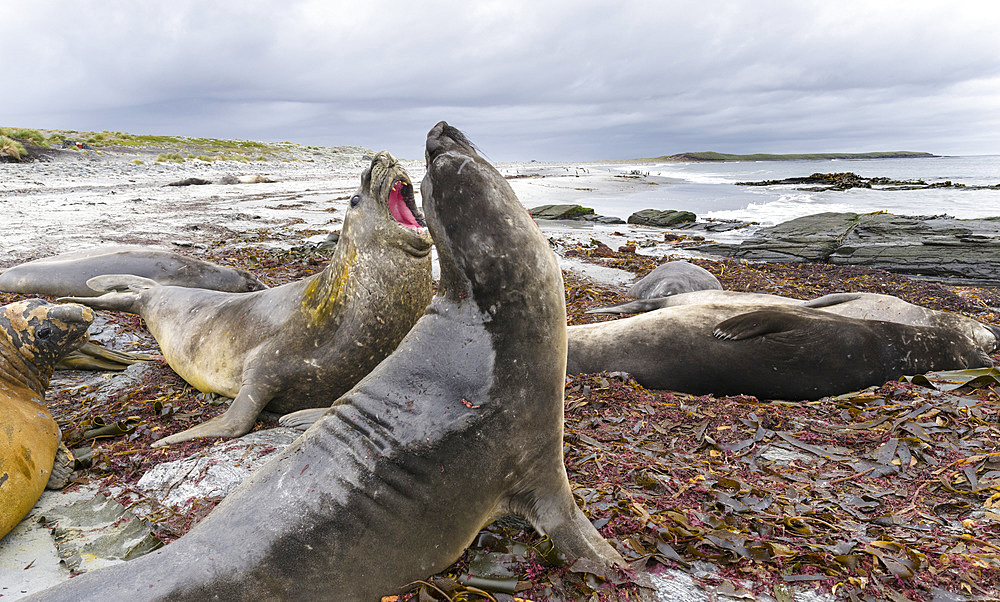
x,y
555,513
302,419
234,422
758,323
638,306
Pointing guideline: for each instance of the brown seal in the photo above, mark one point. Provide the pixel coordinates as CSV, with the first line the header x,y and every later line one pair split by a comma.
x,y
34,335
302,344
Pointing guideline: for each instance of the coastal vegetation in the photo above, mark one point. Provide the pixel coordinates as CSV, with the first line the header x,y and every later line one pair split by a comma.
x,y
11,148
710,156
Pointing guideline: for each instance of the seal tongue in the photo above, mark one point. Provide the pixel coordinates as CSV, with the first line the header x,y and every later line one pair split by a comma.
x,y
397,207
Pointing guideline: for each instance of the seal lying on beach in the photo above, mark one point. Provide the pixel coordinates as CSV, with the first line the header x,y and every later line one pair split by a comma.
x,y
461,423
66,275
865,306
34,335
305,343
768,351
672,278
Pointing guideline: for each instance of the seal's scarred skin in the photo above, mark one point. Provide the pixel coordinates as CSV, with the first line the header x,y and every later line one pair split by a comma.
x,y
66,275
302,344
463,422
766,350
34,335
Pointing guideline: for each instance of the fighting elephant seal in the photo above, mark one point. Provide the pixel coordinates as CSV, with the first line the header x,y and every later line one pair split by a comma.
x,y
34,335
461,423
768,351
304,343
66,274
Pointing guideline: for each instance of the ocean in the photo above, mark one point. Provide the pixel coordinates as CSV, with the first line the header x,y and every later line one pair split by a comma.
x,y
709,190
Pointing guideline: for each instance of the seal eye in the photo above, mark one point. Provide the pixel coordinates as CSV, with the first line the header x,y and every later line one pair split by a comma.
x,y
355,200
43,333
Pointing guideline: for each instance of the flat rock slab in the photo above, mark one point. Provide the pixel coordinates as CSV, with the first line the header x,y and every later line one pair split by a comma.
x,y
938,246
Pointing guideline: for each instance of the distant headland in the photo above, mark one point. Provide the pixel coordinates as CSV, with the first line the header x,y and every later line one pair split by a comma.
x,y
710,157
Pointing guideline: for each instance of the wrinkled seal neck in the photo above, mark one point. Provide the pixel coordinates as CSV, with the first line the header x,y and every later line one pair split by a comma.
x,y
15,368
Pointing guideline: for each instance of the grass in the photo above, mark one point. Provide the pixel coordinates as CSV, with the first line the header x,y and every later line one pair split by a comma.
x,y
11,148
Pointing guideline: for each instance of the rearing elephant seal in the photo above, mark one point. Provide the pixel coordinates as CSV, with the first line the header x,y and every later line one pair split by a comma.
x,y
34,334
765,350
461,423
302,344
66,274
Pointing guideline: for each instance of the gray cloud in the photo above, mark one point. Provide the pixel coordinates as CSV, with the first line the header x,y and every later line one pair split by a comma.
x,y
561,80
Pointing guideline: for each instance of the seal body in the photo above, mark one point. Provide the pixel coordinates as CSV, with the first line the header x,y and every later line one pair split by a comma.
x,y
672,278
461,423
694,297
34,335
302,344
768,351
873,306
66,275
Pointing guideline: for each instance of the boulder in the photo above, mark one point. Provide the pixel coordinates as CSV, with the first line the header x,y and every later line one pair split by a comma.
x,y
665,218
938,246
560,212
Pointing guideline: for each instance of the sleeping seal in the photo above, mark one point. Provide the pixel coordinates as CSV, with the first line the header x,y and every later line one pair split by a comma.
x,y
673,278
461,423
305,343
866,306
34,335
66,275
768,351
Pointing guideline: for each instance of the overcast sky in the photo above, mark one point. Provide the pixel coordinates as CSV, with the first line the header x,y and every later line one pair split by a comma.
x,y
533,79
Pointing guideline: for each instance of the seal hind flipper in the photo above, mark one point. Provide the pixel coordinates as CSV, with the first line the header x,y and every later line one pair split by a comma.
x,y
830,300
125,302
757,323
638,306
302,419
94,357
120,283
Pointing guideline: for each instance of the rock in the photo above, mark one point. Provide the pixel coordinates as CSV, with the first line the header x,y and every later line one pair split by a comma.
x,y
656,217
560,212
938,246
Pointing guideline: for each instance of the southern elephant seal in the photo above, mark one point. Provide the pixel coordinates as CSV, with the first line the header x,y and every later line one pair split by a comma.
x,y
866,306
874,306
640,306
305,343
34,335
672,278
765,350
461,423
66,274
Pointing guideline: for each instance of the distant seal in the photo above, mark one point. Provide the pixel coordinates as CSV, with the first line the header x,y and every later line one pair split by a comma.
x,y
302,344
672,278
66,275
34,335
768,351
462,423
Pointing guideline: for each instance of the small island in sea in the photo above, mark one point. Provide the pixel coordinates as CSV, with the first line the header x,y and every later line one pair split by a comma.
x,y
710,156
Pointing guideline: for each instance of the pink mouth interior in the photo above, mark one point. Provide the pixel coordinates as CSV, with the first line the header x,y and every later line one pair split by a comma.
x,y
397,207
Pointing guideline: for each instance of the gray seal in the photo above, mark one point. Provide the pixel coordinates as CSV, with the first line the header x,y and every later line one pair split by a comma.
x,y
66,275
866,306
768,351
304,343
672,278
463,422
